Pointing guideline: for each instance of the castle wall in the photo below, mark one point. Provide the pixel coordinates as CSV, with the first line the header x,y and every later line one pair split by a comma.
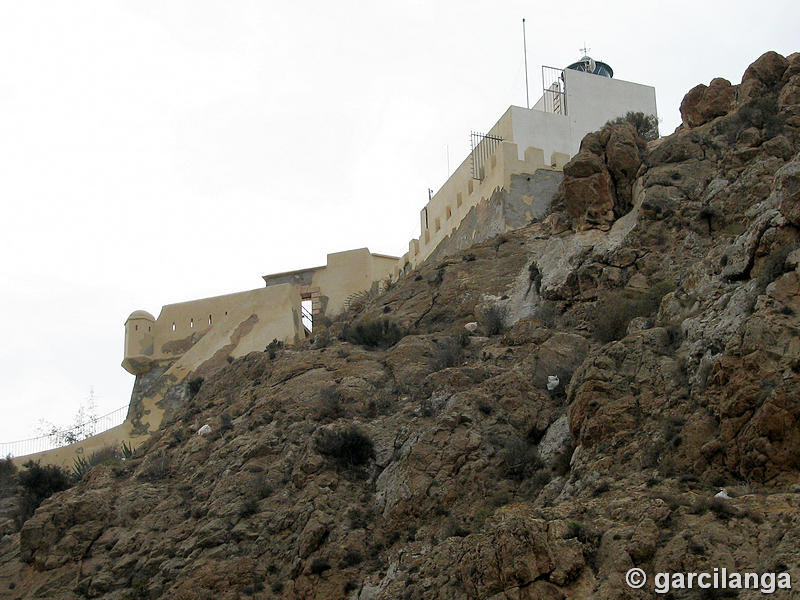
x,y
448,207
527,198
179,327
344,274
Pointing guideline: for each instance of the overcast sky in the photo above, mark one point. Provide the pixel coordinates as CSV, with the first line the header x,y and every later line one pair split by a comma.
x,y
156,152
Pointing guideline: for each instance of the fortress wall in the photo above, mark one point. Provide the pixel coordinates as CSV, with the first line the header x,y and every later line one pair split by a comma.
x,y
196,318
538,129
527,198
460,193
182,325
344,274
254,319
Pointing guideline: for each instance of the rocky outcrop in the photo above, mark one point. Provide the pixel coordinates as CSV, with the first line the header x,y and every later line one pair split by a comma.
x,y
763,76
597,186
704,103
787,188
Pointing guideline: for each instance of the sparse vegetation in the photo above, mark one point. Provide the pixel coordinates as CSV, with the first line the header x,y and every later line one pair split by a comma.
x,y
349,447
761,112
39,483
156,467
319,565
493,318
194,386
448,353
561,463
322,339
645,125
272,348
616,310
225,424
350,559
8,476
773,266
520,460
329,406
110,455
377,333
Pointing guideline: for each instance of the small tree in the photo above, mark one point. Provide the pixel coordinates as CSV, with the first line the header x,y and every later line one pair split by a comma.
x,y
84,424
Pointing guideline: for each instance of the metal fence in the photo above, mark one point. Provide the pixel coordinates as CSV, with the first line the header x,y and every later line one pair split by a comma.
x,y
64,437
483,146
554,90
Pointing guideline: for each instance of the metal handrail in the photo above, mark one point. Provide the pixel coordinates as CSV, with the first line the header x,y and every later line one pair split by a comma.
x,y
65,437
304,312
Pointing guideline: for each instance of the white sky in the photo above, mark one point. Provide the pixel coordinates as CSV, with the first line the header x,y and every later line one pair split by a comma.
x,y
156,152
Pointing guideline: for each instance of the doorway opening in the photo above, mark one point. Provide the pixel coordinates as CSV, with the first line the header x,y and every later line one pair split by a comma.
x,y
307,315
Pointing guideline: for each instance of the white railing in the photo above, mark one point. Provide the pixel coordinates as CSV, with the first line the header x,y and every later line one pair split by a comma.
x,y
64,437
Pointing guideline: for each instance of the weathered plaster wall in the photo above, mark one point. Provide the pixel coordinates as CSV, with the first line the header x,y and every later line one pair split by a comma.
x,y
181,326
448,207
528,198
241,323
344,274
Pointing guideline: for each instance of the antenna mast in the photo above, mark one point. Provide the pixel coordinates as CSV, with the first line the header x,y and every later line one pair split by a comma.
x,y
525,51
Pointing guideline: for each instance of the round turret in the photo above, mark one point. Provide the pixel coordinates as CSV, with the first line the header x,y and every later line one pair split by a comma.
x,y
588,65
141,314
139,328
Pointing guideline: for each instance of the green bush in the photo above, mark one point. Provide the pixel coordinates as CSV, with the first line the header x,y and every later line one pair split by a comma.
x,y
619,307
448,353
348,447
194,386
761,112
376,333
319,565
493,318
108,455
39,483
8,477
645,125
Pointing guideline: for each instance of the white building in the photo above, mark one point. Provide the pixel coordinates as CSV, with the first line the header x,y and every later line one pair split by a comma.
x,y
535,142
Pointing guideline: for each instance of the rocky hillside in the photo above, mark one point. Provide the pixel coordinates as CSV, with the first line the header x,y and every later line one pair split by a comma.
x,y
401,454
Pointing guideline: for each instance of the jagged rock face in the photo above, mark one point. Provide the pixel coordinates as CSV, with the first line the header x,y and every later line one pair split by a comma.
x,y
670,314
787,187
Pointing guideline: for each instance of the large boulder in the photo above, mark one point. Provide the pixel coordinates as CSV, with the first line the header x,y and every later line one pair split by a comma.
x,y
764,74
704,103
